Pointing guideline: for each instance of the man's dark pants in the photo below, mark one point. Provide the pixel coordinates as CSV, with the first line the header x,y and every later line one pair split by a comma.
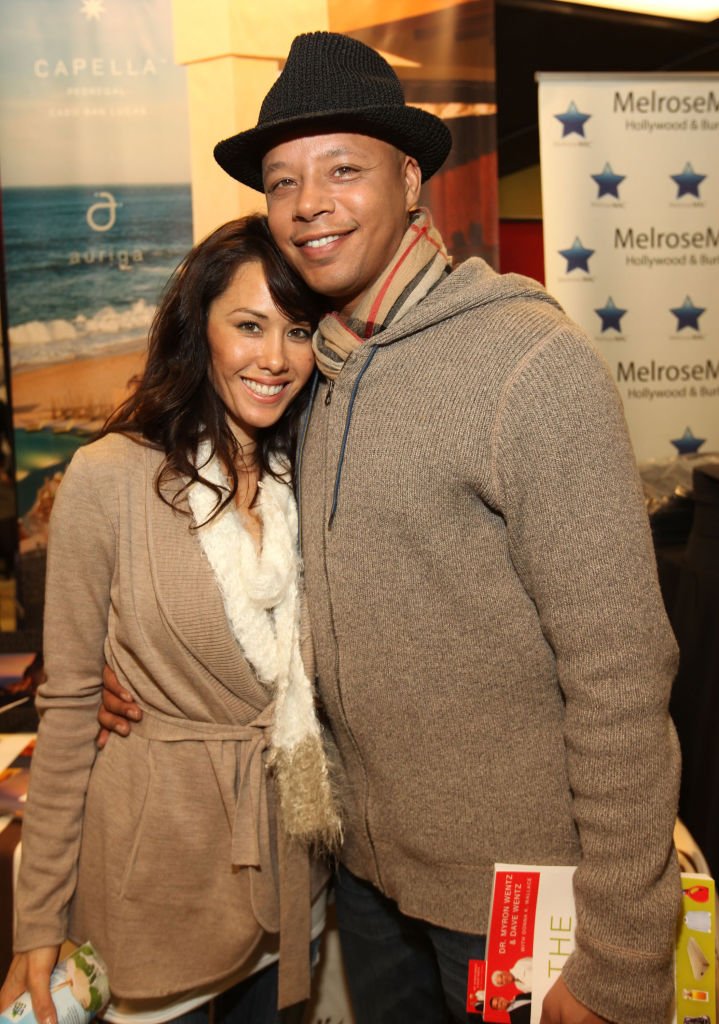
x,y
400,968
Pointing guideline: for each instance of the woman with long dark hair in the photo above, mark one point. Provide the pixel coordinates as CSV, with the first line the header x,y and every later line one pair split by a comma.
x,y
183,852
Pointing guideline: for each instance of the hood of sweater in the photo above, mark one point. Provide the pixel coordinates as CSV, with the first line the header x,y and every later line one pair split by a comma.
x,y
472,285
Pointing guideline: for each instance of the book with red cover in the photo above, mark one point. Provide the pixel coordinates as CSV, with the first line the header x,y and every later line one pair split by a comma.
x,y
531,934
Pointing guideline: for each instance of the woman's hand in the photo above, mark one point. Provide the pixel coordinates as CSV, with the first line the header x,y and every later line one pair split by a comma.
x,y
32,971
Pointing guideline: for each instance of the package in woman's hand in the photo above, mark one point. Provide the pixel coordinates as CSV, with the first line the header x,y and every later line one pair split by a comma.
x,y
79,988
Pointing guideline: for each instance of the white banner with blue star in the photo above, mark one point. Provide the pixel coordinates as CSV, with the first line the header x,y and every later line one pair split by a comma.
x,y
630,197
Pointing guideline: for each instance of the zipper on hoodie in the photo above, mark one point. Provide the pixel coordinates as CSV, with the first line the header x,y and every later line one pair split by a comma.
x,y
304,425
345,434
326,532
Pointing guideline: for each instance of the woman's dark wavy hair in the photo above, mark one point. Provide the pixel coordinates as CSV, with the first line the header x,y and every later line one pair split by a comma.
x,y
174,405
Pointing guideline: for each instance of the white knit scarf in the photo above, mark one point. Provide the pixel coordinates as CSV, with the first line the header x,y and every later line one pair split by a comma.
x,y
260,593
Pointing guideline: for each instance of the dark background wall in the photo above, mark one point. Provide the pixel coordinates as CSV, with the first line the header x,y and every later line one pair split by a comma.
x,y
541,35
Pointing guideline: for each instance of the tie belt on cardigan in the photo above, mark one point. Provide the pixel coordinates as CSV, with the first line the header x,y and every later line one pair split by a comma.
x,y
244,793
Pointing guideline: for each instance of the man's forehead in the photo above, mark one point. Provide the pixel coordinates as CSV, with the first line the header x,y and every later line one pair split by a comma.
x,y
321,146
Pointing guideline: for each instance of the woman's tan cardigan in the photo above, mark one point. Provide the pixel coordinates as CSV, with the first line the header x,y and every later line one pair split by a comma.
x,y
162,849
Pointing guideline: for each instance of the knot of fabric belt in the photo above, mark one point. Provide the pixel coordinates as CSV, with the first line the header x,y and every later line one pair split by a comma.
x,y
250,843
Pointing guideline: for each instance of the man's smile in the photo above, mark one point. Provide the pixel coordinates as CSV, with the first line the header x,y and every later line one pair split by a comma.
x,y
318,243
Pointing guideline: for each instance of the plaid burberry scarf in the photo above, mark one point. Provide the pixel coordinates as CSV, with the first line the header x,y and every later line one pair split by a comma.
x,y
419,263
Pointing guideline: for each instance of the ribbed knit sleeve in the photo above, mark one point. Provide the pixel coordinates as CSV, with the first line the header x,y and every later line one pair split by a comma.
x,y
579,539
81,554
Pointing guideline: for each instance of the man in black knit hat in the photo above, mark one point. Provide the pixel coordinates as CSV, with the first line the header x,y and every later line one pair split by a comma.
x,y
485,611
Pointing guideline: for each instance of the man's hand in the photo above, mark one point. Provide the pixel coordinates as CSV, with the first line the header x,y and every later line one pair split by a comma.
x,y
560,1007
117,707
32,971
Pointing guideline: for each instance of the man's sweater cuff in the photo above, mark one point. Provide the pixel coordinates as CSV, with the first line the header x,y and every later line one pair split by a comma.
x,y
623,986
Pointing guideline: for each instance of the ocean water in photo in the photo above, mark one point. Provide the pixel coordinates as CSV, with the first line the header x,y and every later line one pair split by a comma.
x,y
86,265
40,454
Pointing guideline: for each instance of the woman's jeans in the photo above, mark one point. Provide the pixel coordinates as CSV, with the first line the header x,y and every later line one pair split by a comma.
x,y
252,1001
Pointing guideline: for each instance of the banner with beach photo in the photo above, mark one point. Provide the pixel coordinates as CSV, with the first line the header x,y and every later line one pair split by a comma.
x,y
94,160
630,196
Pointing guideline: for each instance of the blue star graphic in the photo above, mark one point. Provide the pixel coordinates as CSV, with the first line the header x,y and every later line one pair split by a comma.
x,y
610,315
687,444
687,314
577,257
572,121
688,182
608,182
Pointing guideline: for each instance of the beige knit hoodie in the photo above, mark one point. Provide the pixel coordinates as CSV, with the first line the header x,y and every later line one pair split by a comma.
x,y
492,648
